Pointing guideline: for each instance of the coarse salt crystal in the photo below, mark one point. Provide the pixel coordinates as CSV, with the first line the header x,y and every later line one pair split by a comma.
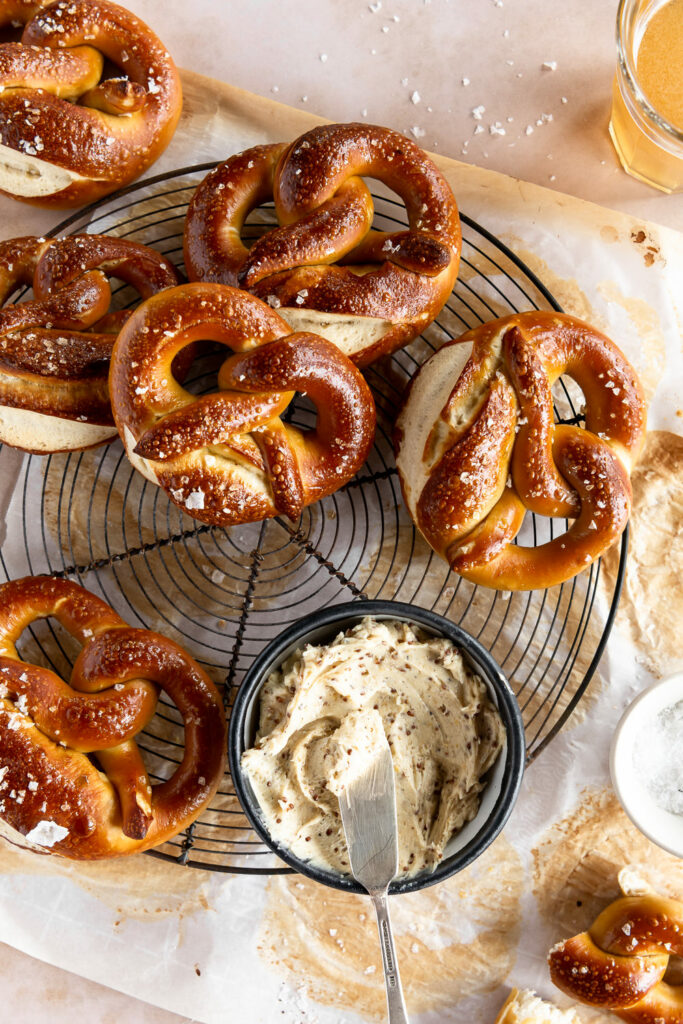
x,y
47,833
195,500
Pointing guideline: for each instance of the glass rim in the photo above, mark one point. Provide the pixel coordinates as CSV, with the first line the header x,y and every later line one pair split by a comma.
x,y
628,69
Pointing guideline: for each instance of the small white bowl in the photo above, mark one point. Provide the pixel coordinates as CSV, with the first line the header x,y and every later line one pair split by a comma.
x,y
663,827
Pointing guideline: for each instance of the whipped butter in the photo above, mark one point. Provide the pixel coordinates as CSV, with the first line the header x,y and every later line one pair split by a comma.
x,y
322,715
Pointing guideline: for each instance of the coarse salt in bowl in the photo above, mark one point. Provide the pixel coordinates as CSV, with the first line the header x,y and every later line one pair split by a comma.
x,y
646,763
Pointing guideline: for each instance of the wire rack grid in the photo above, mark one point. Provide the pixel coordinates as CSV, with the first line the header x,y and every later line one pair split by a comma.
x,y
223,594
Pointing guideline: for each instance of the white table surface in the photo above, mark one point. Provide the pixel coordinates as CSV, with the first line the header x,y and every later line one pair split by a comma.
x,y
402,65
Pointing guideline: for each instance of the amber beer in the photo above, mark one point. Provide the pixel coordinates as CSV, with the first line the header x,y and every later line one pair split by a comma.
x,y
647,107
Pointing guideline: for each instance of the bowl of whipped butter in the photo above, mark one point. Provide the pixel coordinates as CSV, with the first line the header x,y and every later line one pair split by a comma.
x,y
316,696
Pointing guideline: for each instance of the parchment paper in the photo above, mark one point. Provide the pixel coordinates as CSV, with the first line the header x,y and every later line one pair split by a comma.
x,y
221,948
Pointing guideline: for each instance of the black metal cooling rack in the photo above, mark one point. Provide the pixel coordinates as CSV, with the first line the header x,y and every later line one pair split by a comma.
x,y
223,594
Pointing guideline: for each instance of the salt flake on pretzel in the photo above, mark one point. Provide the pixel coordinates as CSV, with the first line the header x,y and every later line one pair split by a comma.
x,y
476,447
67,136
324,268
72,780
228,457
620,962
55,348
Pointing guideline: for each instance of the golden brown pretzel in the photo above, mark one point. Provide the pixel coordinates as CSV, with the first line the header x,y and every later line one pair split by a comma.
x,y
324,268
55,348
227,457
51,791
66,136
477,446
619,963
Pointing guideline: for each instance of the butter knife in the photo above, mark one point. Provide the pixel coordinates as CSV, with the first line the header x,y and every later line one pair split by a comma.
x,y
368,810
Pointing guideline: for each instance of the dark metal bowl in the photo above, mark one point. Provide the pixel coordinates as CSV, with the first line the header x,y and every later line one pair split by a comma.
x,y
503,779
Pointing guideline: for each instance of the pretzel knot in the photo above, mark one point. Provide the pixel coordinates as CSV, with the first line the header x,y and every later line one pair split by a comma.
x,y
55,349
68,135
324,268
470,472
228,457
72,779
619,963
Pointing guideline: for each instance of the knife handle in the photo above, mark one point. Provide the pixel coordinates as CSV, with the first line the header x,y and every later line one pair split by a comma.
x,y
392,978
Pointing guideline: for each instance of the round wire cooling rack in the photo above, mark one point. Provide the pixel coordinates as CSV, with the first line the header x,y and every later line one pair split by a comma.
x,y
223,594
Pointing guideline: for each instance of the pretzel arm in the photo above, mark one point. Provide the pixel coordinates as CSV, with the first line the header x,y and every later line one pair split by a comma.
x,y
83,722
309,174
115,96
346,419
127,773
115,32
586,972
615,408
470,476
319,237
535,475
604,488
56,354
137,653
419,253
75,308
281,463
209,420
640,925
662,1003
63,73
64,262
18,260
39,597
212,241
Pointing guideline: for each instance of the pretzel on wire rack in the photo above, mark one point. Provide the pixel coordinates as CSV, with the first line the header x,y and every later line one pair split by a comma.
x,y
55,348
68,135
228,457
72,780
620,962
324,267
477,447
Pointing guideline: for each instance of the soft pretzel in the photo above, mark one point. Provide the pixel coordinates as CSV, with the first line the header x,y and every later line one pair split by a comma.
x,y
68,135
476,446
619,963
324,268
227,457
55,348
72,780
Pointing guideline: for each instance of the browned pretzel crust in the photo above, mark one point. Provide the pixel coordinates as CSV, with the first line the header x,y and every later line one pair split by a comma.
x,y
324,267
51,791
66,136
619,963
227,457
475,451
55,348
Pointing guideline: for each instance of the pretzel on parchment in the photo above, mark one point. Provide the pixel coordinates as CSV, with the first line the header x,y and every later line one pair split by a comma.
x,y
620,962
55,348
72,780
228,457
67,135
477,447
324,268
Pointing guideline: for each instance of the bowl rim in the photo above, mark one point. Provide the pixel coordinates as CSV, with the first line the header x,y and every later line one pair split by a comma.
x,y
478,658
622,745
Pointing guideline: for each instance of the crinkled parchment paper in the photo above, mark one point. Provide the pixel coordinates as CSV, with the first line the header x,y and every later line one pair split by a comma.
x,y
217,947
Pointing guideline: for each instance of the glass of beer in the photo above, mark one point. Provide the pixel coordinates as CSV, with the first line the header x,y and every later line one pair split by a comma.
x,y
647,106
